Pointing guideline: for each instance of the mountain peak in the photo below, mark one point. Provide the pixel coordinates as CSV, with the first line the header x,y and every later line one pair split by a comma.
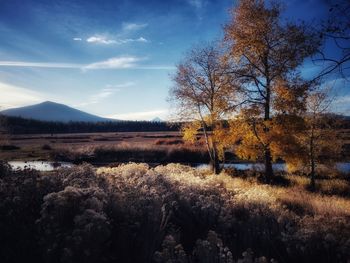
x,y
48,102
53,111
157,119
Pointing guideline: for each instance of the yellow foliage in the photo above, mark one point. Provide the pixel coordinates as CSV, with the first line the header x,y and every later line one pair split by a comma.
x,y
190,131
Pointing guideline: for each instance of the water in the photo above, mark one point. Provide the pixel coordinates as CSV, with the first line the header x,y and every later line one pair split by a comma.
x,y
39,165
342,167
50,166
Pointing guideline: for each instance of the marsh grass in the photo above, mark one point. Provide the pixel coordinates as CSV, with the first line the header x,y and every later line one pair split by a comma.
x,y
126,152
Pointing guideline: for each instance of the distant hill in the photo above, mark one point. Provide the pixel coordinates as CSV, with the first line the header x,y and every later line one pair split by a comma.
x,y
51,111
157,119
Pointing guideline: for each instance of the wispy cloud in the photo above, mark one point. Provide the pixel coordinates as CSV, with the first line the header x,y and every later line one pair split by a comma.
x,y
123,62
133,26
13,96
199,7
97,39
38,64
120,86
114,63
98,97
198,4
143,115
106,92
77,39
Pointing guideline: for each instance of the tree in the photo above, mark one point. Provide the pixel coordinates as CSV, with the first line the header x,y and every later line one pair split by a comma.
x,y
317,140
265,52
248,128
204,93
336,32
3,131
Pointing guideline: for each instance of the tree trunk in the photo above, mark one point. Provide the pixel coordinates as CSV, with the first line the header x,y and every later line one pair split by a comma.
x,y
268,165
267,150
312,176
312,162
214,162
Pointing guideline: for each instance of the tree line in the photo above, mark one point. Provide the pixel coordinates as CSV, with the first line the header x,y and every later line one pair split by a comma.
x,y
253,80
18,125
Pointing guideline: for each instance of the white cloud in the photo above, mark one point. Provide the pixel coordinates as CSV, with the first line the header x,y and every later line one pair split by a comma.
x,y
143,115
77,39
13,96
38,64
142,39
123,62
341,105
106,41
100,40
114,63
133,26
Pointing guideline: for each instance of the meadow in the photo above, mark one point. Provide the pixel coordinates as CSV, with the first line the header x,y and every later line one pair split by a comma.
x,y
104,148
118,147
171,213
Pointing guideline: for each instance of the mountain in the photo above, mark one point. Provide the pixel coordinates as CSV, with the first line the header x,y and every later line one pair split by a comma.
x,y
51,111
157,119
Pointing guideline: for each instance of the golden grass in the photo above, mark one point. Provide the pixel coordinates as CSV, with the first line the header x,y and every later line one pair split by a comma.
x,y
295,198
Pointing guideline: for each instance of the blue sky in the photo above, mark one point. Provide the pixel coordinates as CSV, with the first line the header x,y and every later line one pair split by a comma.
x,y
111,58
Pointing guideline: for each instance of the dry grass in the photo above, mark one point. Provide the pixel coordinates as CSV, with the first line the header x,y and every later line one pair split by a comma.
x,y
133,213
134,152
250,191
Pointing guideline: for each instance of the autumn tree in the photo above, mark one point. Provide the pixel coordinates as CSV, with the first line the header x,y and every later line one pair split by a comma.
x,y
266,52
317,139
248,128
204,93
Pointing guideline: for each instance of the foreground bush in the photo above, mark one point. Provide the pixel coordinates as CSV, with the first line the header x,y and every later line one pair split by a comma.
x,y
173,213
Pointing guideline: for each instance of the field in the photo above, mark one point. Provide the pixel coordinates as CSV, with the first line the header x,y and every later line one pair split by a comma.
x,y
56,147
152,147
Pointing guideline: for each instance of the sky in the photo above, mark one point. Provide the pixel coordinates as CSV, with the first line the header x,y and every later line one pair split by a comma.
x,y
113,58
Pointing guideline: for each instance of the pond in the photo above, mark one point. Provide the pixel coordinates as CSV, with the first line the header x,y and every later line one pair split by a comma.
x,y
44,166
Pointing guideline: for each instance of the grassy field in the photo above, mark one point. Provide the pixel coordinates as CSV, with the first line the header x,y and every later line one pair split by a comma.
x,y
157,147
153,147
56,146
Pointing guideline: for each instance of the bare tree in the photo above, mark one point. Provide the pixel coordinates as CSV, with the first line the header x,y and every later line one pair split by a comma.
x,y
204,93
319,137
